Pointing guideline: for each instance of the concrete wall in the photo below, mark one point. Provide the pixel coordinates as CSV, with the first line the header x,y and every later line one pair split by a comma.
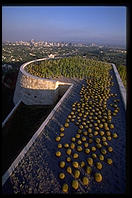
x,y
33,90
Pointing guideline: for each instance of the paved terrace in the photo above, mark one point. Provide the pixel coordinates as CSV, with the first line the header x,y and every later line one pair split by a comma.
x,y
38,170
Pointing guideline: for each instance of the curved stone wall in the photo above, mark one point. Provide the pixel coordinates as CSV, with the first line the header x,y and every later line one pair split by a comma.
x,y
33,90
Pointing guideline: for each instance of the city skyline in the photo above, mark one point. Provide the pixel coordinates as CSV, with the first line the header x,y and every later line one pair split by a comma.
x,y
98,24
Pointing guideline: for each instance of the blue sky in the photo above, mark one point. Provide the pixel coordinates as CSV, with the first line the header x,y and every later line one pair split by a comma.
x,y
65,23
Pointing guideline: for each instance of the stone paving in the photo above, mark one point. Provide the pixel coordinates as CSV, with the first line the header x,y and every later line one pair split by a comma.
x,y
38,171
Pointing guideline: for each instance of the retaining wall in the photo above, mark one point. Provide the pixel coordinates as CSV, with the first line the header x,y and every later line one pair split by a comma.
x,y
34,90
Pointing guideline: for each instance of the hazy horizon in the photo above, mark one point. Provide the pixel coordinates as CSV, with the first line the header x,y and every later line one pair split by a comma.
x,y
86,24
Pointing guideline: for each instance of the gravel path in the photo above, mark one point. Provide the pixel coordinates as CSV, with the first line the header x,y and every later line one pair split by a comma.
x,y
38,171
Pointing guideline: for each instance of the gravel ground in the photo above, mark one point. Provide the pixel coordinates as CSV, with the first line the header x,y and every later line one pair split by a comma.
x,y
38,171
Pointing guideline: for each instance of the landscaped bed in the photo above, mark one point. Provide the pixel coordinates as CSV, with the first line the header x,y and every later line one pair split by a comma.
x,y
82,148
